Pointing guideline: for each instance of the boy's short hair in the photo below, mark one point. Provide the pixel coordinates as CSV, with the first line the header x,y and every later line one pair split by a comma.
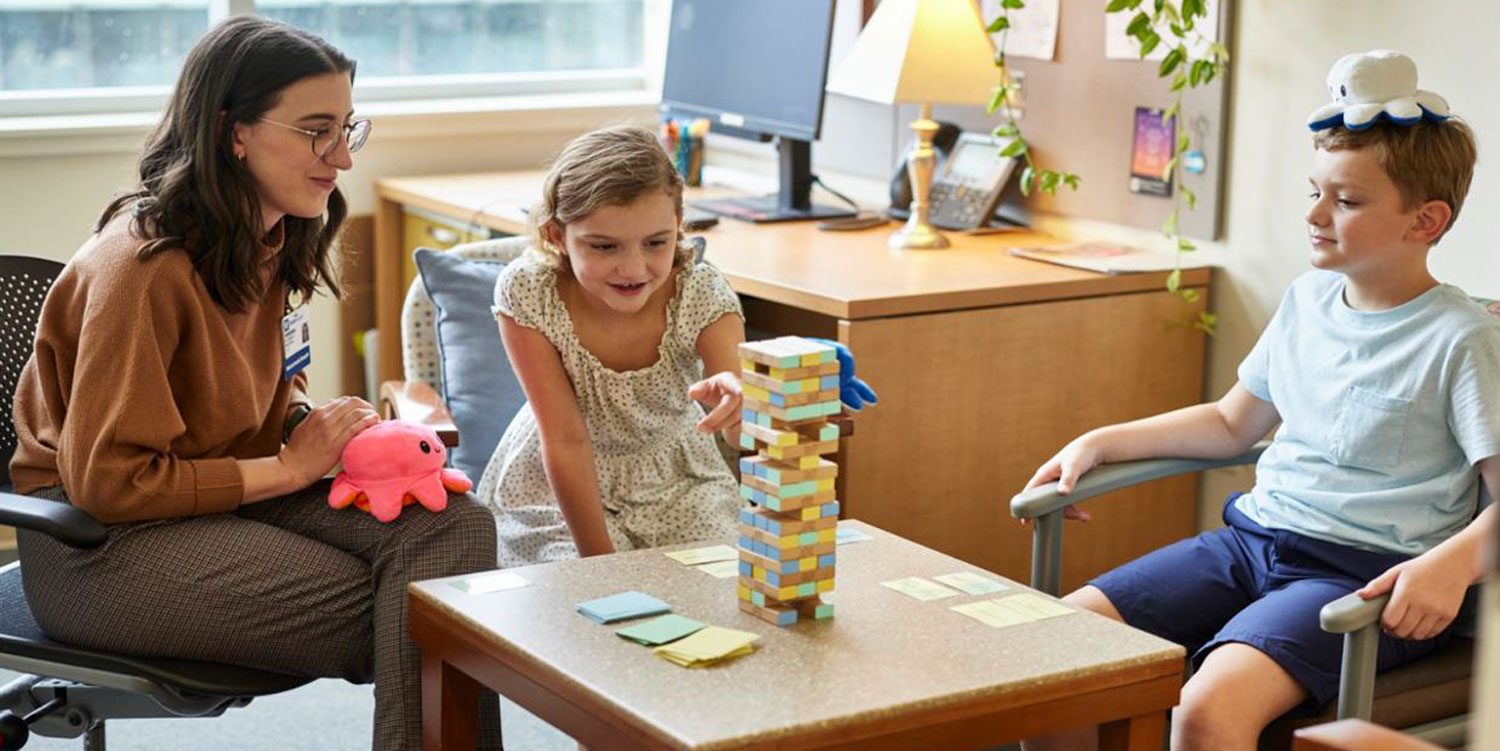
x,y
1428,161
607,167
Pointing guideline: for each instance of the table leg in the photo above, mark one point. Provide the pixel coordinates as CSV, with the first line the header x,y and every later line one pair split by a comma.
x,y
450,707
1146,732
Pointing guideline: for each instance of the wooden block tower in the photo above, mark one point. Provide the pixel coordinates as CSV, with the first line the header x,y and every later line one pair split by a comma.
x,y
791,388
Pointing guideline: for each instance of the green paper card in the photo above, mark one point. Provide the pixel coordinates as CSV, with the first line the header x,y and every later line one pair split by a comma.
x,y
661,630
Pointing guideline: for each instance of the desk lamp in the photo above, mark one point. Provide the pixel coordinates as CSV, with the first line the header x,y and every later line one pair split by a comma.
x,y
923,52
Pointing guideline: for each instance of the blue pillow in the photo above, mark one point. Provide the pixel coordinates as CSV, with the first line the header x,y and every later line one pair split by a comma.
x,y
479,386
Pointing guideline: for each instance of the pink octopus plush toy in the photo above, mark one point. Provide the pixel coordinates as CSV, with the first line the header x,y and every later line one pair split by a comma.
x,y
394,464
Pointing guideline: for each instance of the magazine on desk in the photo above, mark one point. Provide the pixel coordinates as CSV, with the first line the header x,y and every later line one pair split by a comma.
x,y
1106,258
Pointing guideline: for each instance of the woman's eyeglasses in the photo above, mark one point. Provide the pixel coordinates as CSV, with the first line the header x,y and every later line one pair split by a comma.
x,y
326,138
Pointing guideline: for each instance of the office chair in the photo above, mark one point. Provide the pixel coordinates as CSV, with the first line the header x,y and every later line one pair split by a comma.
x,y
69,691
1427,698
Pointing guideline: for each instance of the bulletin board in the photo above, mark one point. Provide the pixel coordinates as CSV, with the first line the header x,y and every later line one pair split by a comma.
x,y
1079,116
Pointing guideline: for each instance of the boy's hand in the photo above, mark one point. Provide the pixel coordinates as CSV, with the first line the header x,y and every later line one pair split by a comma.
x,y
1426,593
1076,458
720,394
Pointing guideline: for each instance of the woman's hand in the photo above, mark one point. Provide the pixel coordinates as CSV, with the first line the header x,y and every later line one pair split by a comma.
x,y
720,394
1076,458
317,444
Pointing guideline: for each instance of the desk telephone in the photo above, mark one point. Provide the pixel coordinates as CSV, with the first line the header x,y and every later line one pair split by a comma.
x,y
967,184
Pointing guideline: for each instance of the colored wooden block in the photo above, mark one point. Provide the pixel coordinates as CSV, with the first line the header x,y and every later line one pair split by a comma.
x,y
767,384
786,595
775,614
783,547
815,608
801,398
785,505
787,352
781,473
801,450
789,490
783,524
800,413
819,371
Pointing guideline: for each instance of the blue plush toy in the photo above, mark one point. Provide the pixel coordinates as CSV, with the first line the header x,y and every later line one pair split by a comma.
x,y
1371,86
853,392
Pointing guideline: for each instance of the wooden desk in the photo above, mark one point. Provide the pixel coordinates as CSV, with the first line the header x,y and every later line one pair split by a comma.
x,y
887,672
986,364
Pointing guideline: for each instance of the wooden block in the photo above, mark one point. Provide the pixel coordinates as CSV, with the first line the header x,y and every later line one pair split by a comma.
x,y
781,386
814,608
786,492
780,524
790,374
801,413
773,613
781,473
800,450
789,594
786,505
801,398
787,352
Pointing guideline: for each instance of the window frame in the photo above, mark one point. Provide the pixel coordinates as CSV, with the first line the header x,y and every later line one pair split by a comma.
x,y
466,92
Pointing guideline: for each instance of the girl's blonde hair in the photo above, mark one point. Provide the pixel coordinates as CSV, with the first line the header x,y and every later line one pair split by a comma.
x,y
607,167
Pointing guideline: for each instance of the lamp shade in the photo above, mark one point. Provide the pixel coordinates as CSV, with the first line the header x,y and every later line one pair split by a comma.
x,y
933,51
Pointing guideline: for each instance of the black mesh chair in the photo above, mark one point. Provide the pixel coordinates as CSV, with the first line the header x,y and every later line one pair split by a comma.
x,y
68,691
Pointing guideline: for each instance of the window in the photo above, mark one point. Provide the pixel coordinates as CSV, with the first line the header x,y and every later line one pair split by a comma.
x,y
72,56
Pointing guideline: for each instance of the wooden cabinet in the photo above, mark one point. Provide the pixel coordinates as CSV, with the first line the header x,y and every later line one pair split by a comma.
x,y
985,363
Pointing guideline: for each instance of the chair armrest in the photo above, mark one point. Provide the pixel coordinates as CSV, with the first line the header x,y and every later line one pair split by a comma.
x,y
68,524
1351,612
1355,735
419,403
1105,478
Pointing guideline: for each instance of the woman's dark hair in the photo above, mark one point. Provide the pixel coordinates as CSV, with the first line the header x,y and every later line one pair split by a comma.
x,y
195,195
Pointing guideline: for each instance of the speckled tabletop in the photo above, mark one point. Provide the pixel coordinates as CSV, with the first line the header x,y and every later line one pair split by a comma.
x,y
882,657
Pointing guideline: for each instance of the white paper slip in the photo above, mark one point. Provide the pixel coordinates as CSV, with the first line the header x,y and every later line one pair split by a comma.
x,y
704,555
971,583
848,535
721,569
918,588
493,581
1010,611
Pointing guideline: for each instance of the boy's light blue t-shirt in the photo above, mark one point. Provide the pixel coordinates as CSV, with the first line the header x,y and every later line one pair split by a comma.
x,y
1384,415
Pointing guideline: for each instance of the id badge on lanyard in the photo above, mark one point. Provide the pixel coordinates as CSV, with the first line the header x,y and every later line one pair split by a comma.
x,y
296,339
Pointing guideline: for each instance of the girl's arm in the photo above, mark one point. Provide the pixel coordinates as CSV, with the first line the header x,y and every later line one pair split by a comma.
x,y
719,391
567,452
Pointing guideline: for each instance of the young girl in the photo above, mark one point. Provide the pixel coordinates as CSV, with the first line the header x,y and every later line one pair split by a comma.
x,y
617,337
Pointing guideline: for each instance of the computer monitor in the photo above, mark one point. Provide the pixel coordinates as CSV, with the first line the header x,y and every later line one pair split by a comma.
x,y
755,70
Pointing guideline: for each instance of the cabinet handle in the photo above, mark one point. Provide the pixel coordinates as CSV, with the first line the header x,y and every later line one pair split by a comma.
x,y
442,235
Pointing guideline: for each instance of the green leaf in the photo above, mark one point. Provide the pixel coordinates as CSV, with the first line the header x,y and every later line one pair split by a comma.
x,y
1006,130
1178,82
1177,31
1001,23
1207,322
1192,199
1138,24
1174,280
1159,4
1115,6
1183,142
1170,112
1028,178
1169,227
1185,245
996,99
1014,148
1219,51
1012,4
1195,72
1149,40
1072,180
1049,181
1188,295
1166,172
1170,63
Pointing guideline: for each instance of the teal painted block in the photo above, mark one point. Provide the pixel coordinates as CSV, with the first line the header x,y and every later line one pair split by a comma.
x,y
807,589
757,598
828,433
746,442
823,612
747,492
770,502
807,538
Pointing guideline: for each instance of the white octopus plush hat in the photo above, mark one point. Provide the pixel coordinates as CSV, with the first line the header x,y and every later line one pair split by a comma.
x,y
1369,86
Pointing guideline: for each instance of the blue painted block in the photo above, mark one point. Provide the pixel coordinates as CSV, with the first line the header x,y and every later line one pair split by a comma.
x,y
786,618
828,382
773,578
772,525
746,517
826,559
746,543
747,467
830,509
745,569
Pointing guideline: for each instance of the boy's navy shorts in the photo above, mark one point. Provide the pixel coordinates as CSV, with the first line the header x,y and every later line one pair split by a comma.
x,y
1260,587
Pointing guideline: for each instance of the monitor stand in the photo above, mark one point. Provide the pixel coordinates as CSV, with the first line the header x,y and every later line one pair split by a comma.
x,y
794,202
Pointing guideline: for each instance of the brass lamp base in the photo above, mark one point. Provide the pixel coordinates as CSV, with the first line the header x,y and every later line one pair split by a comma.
x,y
917,236
918,233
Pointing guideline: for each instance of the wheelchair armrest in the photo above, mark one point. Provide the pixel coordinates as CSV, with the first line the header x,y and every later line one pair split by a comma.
x,y
1105,478
417,402
65,523
1351,613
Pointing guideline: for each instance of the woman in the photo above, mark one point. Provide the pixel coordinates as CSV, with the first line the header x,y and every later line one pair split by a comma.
x,y
161,400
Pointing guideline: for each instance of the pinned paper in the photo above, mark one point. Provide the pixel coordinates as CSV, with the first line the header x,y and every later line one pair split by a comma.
x,y
1011,611
622,606
721,569
667,628
918,588
493,581
971,583
708,646
704,555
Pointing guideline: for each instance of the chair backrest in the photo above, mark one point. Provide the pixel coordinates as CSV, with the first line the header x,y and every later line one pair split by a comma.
x,y
24,282
419,350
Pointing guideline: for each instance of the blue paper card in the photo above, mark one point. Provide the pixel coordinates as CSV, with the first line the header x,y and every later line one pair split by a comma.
x,y
622,606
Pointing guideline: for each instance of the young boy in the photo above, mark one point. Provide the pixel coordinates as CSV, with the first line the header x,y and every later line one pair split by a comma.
x,y
1387,387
